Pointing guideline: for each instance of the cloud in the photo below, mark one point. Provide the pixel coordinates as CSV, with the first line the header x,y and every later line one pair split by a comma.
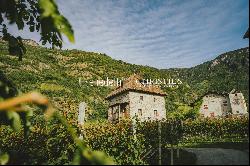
x,y
158,33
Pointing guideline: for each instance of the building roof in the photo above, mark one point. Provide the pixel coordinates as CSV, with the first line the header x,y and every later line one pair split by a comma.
x,y
215,93
133,83
225,94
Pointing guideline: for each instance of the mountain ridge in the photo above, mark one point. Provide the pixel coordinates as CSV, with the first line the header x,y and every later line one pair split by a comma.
x,y
56,73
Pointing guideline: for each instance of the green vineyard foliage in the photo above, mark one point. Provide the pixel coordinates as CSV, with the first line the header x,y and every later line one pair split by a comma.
x,y
51,143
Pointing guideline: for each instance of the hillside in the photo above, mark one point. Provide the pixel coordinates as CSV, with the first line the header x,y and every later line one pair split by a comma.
x,y
226,72
56,74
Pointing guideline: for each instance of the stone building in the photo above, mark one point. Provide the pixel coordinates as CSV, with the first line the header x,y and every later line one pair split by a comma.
x,y
215,104
135,99
238,103
223,104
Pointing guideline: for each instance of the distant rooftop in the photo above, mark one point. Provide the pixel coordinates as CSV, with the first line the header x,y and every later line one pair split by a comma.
x,y
133,83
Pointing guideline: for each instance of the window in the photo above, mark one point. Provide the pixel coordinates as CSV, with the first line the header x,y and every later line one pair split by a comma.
x,y
235,94
155,113
140,112
205,107
154,99
142,81
123,113
225,104
212,114
141,98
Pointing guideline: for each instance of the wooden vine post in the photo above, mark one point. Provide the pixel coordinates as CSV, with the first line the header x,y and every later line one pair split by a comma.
x,y
172,148
159,136
81,117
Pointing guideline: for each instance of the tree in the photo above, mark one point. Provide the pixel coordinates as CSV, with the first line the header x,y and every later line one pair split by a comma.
x,y
40,15
246,35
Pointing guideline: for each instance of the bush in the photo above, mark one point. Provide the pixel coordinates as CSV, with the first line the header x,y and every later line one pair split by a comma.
x,y
116,140
46,144
235,128
50,143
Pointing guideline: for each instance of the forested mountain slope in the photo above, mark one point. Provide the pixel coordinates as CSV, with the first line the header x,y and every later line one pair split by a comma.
x,y
56,73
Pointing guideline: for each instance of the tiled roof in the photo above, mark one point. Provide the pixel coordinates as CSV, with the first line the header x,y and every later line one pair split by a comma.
x,y
133,84
216,93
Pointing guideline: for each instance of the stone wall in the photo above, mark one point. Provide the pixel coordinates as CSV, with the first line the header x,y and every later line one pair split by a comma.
x,y
122,98
114,104
143,105
215,105
218,105
238,103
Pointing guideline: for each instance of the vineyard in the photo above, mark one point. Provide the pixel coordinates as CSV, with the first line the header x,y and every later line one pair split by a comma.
x,y
117,140
125,142
41,87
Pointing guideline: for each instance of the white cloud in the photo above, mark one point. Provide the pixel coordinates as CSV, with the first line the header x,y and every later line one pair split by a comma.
x,y
157,33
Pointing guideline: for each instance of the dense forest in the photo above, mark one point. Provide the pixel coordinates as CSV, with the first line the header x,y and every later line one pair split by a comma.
x,y
56,74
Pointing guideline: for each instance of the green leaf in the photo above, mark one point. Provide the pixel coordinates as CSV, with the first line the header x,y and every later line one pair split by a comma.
x,y
64,27
4,158
49,11
48,7
15,120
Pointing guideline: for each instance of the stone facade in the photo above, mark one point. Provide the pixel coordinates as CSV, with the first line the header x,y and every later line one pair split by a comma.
x,y
215,105
132,99
221,105
238,103
118,107
137,104
147,106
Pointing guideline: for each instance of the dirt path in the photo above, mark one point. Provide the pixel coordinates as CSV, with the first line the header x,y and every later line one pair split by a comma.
x,y
219,156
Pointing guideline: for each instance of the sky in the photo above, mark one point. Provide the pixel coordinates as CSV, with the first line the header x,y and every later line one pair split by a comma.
x,y
158,33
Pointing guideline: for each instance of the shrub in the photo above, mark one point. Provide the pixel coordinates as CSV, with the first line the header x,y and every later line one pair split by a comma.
x,y
116,140
50,143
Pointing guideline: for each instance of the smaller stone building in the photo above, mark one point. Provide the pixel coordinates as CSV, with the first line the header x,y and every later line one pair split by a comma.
x,y
215,104
223,104
135,99
238,103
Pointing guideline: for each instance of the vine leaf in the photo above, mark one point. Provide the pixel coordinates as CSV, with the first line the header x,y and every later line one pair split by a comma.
x,y
4,158
50,13
15,120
